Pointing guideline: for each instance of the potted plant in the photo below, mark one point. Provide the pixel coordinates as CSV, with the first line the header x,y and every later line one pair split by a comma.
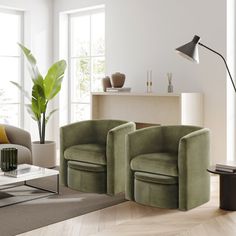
x,y
43,91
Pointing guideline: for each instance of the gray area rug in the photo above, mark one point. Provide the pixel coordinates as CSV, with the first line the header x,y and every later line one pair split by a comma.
x,y
23,217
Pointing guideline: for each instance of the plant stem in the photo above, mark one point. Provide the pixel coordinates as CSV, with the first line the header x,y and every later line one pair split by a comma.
x,y
43,129
39,129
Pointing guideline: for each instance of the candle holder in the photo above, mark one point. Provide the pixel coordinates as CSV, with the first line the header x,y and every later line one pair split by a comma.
x,y
149,81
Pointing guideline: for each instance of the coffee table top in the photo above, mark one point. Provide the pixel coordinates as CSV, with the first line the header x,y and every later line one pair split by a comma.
x,y
35,175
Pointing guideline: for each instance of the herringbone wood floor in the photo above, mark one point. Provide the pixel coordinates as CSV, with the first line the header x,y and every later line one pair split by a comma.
x,y
130,218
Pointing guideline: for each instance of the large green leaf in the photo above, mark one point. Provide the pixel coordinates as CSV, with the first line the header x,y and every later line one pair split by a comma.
x,y
31,59
34,72
39,103
53,79
40,82
50,114
25,93
30,111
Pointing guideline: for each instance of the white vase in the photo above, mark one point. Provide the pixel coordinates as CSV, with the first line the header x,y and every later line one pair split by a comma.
x,y
44,155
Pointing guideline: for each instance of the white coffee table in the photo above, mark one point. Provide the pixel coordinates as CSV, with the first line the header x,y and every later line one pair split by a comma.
x,y
13,181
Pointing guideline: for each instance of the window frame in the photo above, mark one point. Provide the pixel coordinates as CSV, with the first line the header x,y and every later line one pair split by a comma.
x,y
21,102
89,57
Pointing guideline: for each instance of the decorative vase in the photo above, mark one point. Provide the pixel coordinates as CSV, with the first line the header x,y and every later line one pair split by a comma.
x,y
106,83
117,80
8,159
170,88
44,155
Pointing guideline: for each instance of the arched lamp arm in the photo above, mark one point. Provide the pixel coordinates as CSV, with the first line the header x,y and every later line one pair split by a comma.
x,y
224,62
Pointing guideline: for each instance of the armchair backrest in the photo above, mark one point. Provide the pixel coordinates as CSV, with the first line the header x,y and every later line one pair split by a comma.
x,y
18,136
88,131
158,139
173,134
101,128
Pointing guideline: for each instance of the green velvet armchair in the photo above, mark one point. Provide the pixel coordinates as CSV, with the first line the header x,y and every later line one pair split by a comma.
x,y
166,166
92,155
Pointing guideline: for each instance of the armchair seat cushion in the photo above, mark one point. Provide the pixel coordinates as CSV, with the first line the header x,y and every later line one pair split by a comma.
x,y
90,153
156,163
157,179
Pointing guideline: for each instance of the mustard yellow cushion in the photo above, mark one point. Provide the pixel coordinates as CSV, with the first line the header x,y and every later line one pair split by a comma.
x,y
3,135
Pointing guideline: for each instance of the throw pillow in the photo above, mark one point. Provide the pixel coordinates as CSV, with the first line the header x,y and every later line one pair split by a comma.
x,y
3,135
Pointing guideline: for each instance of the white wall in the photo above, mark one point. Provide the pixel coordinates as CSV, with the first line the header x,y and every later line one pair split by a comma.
x,y
38,37
142,34
231,60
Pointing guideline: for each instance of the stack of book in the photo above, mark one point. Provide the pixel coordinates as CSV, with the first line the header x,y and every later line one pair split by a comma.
x,y
231,168
124,89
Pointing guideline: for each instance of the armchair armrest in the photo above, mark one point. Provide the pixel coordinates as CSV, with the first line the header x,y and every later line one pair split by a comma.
x,y
70,135
193,160
116,157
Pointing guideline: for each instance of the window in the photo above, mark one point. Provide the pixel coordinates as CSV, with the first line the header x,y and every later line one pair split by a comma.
x,y
86,60
11,105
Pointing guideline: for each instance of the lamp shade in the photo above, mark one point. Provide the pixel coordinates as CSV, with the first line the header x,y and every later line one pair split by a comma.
x,y
190,50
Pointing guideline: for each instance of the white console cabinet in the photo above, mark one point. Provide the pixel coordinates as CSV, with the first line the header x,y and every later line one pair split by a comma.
x,y
163,109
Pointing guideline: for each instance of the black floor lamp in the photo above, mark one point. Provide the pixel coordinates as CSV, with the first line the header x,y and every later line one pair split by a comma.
x,y
190,51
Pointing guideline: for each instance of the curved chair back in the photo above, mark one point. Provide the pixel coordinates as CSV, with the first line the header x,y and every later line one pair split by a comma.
x,y
172,135
18,136
20,139
88,131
